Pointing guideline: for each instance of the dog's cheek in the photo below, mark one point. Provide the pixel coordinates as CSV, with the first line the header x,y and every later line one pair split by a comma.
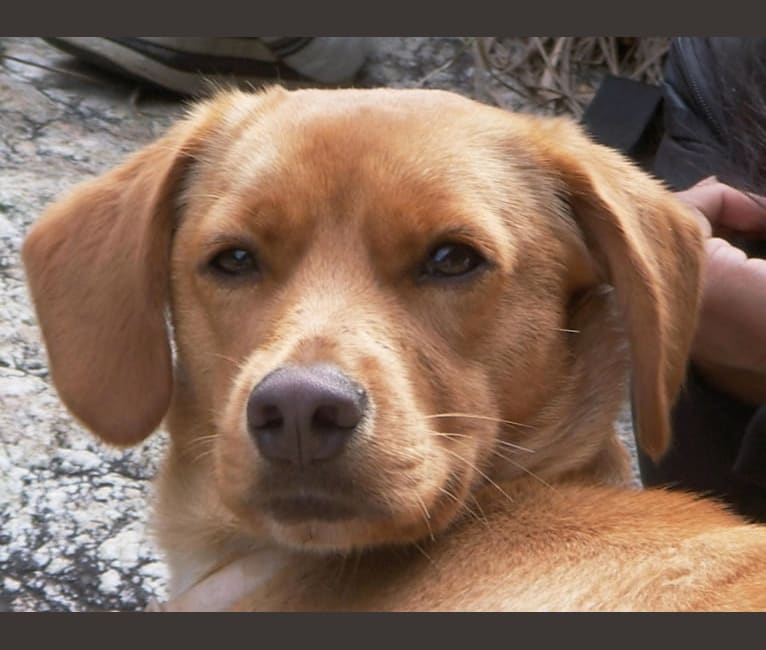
x,y
453,341
235,482
236,457
214,334
530,340
238,464
458,430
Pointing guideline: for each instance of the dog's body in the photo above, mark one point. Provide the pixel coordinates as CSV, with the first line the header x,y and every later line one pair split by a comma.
x,y
570,548
389,310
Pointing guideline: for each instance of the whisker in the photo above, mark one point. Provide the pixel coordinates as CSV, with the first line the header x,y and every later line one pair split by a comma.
x,y
427,517
202,439
204,454
514,447
457,500
478,417
504,443
239,364
448,434
452,496
423,553
481,473
568,331
389,502
481,510
497,453
401,457
191,196
203,442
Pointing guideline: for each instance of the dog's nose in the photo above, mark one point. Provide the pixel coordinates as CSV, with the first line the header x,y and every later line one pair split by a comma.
x,y
304,414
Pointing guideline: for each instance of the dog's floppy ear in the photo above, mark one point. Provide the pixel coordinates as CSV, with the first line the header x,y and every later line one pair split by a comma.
x,y
648,246
97,267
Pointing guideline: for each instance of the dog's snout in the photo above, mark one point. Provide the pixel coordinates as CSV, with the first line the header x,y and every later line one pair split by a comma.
x,y
304,414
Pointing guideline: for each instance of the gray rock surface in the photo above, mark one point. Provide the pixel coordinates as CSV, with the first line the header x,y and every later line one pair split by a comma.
x,y
73,533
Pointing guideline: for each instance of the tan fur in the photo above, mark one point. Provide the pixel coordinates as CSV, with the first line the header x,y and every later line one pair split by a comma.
x,y
474,385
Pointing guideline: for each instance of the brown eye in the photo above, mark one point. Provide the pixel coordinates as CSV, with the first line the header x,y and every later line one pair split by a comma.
x,y
452,260
234,261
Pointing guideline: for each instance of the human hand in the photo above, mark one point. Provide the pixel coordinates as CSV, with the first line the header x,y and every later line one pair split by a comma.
x,y
730,344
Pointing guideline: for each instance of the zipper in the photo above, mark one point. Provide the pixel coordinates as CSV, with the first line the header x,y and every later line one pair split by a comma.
x,y
691,83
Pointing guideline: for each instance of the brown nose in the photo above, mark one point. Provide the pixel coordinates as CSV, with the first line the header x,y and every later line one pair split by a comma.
x,y
304,414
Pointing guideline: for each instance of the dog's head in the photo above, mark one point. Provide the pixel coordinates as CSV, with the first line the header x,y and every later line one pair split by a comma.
x,y
377,300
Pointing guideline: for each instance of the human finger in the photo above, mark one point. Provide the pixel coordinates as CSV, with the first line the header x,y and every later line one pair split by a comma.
x,y
727,208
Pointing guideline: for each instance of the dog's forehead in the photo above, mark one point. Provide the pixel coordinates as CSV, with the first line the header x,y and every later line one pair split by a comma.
x,y
428,157
380,104
342,128
318,137
333,130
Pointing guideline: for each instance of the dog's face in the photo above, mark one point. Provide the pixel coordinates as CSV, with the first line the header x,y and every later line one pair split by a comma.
x,y
345,280
378,300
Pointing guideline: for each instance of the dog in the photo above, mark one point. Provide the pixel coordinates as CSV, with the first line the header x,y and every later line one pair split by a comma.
x,y
389,332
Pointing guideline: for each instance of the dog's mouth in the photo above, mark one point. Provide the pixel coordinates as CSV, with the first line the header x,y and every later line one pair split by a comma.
x,y
308,516
290,509
318,498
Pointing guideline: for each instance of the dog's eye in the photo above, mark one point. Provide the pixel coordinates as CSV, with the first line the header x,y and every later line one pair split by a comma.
x,y
452,260
234,261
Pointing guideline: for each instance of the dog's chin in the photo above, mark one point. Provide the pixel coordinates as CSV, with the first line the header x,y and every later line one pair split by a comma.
x,y
334,512
319,536
317,526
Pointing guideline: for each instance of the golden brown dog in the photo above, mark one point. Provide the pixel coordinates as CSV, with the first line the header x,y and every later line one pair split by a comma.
x,y
388,332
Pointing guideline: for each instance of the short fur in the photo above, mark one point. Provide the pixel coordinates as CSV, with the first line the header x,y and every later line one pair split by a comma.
x,y
475,384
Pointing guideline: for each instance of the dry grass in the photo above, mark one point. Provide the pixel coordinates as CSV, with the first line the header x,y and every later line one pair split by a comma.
x,y
560,75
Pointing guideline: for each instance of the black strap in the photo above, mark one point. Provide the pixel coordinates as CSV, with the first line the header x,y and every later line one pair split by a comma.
x,y
626,115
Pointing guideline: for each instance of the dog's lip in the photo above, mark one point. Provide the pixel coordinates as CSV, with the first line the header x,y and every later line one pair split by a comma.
x,y
293,508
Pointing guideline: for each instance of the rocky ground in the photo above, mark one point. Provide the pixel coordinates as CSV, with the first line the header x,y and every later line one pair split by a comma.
x,y
72,511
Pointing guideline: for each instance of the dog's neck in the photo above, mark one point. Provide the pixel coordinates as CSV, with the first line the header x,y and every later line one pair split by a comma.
x,y
202,583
